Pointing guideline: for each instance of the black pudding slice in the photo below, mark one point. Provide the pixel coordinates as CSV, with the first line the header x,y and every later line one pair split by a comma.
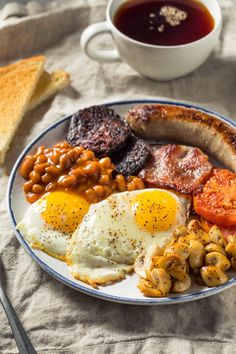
x,y
98,128
132,158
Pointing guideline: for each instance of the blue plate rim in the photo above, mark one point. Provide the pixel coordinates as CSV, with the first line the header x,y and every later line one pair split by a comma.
x,y
79,287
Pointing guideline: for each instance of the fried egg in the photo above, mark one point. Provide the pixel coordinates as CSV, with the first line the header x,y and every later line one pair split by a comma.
x,y
49,222
116,230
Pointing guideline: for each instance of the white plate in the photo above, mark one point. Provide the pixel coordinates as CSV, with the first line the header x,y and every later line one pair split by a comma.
x,y
125,291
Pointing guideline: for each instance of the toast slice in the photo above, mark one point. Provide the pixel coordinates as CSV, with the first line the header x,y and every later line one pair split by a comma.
x,y
17,84
48,86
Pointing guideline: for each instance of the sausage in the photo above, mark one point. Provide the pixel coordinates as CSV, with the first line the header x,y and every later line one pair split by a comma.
x,y
188,126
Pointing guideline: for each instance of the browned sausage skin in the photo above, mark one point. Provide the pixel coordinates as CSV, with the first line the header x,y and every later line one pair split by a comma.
x,y
188,126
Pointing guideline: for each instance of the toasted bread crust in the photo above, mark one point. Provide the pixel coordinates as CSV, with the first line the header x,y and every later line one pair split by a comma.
x,y
188,126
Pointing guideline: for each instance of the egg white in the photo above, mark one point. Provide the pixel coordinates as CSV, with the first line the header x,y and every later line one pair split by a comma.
x,y
105,245
40,235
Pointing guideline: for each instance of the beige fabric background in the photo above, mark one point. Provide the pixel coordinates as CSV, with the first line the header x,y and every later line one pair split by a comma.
x,y
57,318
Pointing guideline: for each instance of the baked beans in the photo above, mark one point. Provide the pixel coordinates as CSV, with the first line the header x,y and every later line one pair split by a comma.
x,y
72,168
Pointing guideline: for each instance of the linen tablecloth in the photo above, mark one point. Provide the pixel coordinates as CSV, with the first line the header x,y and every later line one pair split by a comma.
x,y
57,318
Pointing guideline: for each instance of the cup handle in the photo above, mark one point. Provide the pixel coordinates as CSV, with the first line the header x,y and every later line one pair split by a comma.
x,y
97,54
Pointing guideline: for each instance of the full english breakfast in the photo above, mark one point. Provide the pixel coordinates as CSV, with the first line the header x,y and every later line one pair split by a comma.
x,y
108,203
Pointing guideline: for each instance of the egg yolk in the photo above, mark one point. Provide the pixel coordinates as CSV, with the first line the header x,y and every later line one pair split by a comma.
x,y
64,211
154,210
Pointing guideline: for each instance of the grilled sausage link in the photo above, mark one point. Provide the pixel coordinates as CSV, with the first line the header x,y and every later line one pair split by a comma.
x,y
188,126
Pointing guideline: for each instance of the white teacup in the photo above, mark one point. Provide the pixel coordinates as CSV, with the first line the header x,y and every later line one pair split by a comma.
x,y
153,61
